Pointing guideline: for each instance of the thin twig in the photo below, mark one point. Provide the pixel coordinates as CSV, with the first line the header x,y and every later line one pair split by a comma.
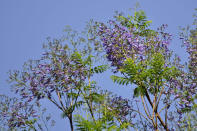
x,y
159,97
55,103
140,115
60,99
158,116
145,108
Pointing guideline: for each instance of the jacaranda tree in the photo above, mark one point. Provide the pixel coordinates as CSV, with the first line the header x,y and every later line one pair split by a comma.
x,y
164,89
145,61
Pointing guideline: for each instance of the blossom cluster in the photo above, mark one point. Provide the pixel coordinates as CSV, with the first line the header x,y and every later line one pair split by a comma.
x,y
183,87
16,113
57,70
187,84
121,107
191,47
121,42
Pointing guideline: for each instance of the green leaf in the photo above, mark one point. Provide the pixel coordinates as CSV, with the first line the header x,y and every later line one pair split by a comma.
x,y
112,128
120,80
96,97
136,91
99,69
124,125
76,56
88,60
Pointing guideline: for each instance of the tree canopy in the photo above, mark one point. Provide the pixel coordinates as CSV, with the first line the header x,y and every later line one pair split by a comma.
x,y
164,89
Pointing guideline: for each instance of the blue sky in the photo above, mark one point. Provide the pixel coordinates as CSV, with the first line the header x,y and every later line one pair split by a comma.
x,y
25,25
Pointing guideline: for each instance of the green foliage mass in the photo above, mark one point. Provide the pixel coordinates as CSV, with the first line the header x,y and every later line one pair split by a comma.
x,y
64,77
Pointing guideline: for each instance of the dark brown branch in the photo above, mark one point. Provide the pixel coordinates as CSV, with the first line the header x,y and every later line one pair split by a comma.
x,y
55,104
71,122
158,116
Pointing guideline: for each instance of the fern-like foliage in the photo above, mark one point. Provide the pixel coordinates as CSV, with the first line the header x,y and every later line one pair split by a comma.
x,y
120,80
100,69
83,124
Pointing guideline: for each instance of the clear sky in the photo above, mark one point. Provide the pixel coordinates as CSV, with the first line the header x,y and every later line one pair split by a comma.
x,y
25,25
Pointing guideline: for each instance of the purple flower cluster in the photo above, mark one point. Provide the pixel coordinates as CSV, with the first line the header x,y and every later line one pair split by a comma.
x,y
192,49
121,43
15,113
121,107
184,90
57,70
186,84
